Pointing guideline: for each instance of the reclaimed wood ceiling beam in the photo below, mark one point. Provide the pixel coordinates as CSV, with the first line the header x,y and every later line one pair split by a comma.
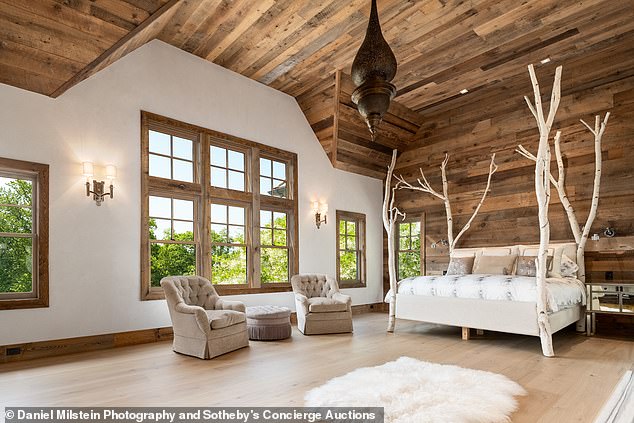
x,y
144,32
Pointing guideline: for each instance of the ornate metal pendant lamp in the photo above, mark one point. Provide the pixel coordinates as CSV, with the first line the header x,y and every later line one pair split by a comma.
x,y
372,70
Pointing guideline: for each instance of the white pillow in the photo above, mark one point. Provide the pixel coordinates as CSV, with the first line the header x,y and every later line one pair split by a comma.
x,y
568,268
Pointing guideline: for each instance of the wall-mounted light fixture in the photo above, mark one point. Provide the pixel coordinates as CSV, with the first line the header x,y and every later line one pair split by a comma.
x,y
320,210
441,242
98,187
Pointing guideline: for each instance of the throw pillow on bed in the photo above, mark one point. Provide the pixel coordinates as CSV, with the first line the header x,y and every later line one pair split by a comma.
x,y
495,265
460,266
527,266
568,268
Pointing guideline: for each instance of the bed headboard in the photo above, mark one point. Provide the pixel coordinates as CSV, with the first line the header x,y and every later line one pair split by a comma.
x,y
556,249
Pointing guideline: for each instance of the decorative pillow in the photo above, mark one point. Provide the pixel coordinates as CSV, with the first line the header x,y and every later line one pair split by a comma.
x,y
533,251
568,268
527,265
495,265
460,266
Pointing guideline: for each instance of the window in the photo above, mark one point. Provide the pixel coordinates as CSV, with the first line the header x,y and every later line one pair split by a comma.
x,y
274,247
408,249
172,237
23,234
350,249
217,206
273,178
171,156
228,245
227,168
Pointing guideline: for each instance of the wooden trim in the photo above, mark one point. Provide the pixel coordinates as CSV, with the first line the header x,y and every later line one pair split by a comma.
x,y
65,346
335,124
40,349
360,219
144,32
41,246
146,286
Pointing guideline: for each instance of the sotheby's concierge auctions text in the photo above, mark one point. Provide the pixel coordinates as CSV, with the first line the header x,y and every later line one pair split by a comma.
x,y
195,415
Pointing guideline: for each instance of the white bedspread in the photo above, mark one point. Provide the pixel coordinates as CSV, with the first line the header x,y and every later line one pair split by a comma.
x,y
562,292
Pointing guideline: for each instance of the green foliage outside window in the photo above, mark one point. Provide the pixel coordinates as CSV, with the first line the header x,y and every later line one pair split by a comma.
x,y
228,262
273,261
171,259
16,254
348,251
408,250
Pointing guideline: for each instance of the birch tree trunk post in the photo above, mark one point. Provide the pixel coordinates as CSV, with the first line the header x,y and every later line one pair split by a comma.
x,y
599,129
580,236
390,217
425,186
542,192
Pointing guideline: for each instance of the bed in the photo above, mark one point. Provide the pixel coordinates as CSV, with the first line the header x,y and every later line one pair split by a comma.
x,y
503,303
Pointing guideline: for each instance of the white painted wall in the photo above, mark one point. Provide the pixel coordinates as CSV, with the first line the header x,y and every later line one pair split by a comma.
x,y
94,252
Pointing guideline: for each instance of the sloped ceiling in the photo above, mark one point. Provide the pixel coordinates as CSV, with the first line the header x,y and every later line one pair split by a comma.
x,y
298,46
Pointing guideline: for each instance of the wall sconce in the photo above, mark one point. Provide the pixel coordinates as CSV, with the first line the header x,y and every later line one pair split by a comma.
x,y
97,191
320,209
441,242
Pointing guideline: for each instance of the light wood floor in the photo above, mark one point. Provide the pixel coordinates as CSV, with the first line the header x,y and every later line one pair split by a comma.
x,y
569,388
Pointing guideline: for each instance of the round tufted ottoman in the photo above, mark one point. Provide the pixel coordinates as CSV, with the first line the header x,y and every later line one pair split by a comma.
x,y
268,323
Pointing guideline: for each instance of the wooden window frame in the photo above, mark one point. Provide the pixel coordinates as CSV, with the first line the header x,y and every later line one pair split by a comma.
x,y
397,247
360,220
206,194
248,243
39,174
287,247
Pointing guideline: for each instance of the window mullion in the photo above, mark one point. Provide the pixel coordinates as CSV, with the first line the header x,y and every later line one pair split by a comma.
x,y
256,248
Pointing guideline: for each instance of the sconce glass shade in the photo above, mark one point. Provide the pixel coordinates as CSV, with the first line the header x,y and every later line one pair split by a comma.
x,y
315,206
88,169
111,172
324,208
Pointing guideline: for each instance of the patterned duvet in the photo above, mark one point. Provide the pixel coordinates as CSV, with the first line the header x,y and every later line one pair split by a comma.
x,y
562,292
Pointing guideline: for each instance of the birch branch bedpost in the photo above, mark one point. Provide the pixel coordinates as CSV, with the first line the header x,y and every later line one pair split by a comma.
x,y
542,192
599,129
580,235
390,216
425,186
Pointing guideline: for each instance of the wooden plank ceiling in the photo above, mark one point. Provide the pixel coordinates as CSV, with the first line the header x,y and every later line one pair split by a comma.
x,y
305,48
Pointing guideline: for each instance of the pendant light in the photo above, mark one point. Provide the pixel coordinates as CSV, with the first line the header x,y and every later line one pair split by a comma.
x,y
373,68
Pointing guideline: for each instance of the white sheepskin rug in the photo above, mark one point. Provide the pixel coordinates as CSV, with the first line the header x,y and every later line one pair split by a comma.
x,y
414,391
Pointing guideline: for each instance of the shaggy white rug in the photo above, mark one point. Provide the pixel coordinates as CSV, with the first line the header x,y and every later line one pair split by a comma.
x,y
414,391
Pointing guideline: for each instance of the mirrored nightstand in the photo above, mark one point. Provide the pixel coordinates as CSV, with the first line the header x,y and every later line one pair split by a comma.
x,y
608,297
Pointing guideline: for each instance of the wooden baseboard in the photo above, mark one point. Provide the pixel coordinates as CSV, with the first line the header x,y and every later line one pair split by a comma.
x,y
57,347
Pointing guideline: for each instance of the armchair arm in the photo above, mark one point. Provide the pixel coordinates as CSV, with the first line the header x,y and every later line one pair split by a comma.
x,y
230,305
342,298
301,303
197,312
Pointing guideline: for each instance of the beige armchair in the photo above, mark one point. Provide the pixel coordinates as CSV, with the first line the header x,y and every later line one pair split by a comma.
x,y
205,325
321,308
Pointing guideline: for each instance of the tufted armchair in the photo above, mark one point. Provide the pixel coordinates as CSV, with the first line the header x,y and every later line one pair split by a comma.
x,y
205,325
321,308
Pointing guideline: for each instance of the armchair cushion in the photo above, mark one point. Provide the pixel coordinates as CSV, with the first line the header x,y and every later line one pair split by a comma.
x,y
325,305
219,319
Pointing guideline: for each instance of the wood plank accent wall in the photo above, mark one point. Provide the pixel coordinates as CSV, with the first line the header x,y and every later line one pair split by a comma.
x,y
496,121
344,135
